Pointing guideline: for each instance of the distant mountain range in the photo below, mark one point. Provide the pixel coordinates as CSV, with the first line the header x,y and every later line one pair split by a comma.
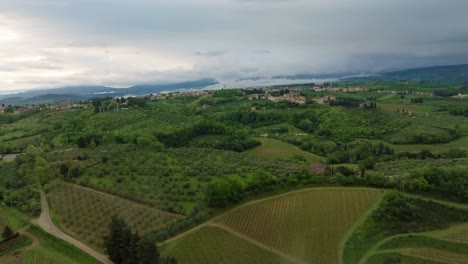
x,y
76,93
450,75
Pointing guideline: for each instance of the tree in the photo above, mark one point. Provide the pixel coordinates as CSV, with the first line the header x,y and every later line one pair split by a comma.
x,y
7,233
125,247
168,260
147,252
117,243
222,193
133,249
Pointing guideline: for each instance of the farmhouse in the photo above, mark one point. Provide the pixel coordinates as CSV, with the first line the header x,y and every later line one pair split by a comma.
x,y
460,96
324,99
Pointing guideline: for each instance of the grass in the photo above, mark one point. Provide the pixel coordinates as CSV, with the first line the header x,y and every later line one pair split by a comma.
x,y
309,225
13,218
85,213
54,250
394,107
272,148
211,244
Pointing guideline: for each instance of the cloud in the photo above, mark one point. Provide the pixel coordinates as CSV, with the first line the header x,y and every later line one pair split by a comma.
x,y
214,53
125,42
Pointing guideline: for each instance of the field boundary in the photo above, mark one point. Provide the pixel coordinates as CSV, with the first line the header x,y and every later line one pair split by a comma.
x,y
255,242
360,221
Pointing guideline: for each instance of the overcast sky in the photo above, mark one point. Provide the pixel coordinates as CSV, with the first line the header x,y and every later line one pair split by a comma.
x,y
50,43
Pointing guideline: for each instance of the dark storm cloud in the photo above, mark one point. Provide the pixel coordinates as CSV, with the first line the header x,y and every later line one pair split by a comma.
x,y
122,41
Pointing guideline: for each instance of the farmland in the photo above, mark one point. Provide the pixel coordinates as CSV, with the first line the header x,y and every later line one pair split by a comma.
x,y
309,225
211,244
221,178
85,213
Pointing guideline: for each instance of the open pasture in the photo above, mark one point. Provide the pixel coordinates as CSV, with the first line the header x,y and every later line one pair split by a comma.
x,y
310,225
272,148
211,244
85,213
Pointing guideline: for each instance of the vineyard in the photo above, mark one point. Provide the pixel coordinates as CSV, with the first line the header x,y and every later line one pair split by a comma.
x,y
214,245
85,213
309,225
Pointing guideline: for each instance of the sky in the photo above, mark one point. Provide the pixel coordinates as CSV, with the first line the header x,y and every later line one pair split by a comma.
x,y
119,43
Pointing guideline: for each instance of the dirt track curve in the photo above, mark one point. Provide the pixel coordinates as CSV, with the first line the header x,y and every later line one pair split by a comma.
x,y
46,223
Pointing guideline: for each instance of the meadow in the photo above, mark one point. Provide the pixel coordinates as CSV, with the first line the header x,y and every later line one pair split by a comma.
x,y
85,214
273,148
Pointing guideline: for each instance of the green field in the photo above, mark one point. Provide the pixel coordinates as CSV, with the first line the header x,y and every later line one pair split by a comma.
x,y
309,225
53,250
85,213
13,218
272,148
209,245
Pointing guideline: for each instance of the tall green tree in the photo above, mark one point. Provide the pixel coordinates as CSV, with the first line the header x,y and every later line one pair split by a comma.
x,y
118,242
7,233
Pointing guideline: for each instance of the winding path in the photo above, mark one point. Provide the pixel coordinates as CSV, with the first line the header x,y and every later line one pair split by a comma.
x,y
46,223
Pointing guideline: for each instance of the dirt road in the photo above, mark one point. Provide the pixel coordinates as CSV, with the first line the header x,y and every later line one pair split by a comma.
x,y
46,223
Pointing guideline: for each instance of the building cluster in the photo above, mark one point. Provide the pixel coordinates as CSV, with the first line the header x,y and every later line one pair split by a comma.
x,y
32,107
405,92
460,96
339,89
290,97
324,99
163,96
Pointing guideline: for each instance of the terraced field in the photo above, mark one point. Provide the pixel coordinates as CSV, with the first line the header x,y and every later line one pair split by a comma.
x,y
461,235
437,255
210,244
84,213
441,246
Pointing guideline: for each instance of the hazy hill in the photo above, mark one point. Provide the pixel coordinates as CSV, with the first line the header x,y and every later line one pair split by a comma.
x,y
73,93
450,74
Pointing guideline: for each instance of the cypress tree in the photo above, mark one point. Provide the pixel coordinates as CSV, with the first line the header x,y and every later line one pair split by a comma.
x,y
148,252
117,243
7,233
